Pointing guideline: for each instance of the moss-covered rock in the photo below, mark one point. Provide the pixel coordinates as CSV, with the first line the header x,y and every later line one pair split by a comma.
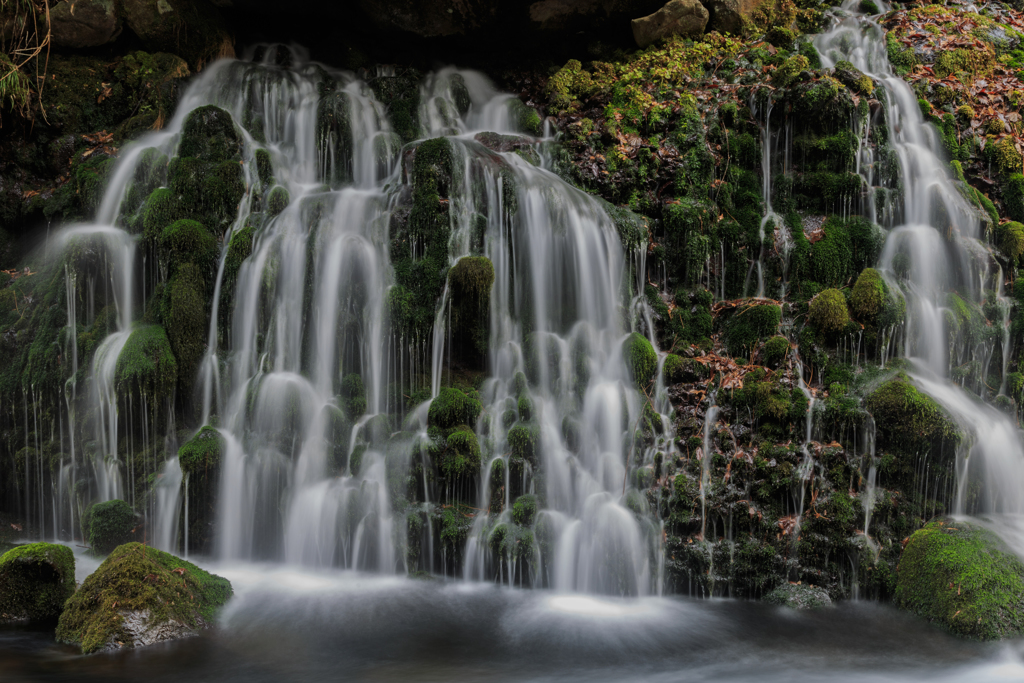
x,y
909,421
139,596
452,408
749,325
641,360
146,363
775,351
869,294
202,452
828,311
963,577
678,369
111,524
277,201
35,581
470,282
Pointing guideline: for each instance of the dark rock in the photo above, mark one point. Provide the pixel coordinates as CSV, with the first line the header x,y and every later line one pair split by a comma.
x,y
686,18
798,596
84,23
35,581
193,29
729,16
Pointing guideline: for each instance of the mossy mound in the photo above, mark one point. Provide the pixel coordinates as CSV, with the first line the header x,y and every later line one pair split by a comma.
x,y
452,408
202,452
963,577
909,421
828,311
146,363
35,581
798,596
110,524
775,351
138,596
869,294
641,359
678,369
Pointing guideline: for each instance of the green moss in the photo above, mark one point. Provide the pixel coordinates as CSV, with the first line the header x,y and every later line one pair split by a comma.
x,y
869,295
277,201
523,440
136,577
678,369
828,311
1013,197
641,360
146,364
452,408
909,421
524,510
201,454
110,524
185,320
901,57
461,457
749,325
353,395
567,84
964,578
789,70
209,135
264,167
775,351
35,581
187,241
1011,239
524,119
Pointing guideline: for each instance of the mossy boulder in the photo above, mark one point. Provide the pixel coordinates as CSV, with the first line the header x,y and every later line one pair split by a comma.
x,y
146,363
868,296
110,524
909,421
640,358
202,452
470,282
1011,239
451,408
775,351
35,581
828,311
677,369
798,596
963,577
461,457
139,596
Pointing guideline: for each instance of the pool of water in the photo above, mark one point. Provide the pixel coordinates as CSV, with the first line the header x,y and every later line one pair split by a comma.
x,y
288,624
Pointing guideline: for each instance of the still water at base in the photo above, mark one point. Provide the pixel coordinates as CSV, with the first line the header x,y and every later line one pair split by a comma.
x,y
287,624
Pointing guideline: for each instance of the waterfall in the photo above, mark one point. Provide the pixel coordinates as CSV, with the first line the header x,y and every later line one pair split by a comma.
x,y
939,234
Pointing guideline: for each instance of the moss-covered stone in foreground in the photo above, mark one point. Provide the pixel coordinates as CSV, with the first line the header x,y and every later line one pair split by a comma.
x,y
35,580
963,577
138,596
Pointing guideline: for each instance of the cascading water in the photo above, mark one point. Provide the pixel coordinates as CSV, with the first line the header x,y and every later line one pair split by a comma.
x,y
933,250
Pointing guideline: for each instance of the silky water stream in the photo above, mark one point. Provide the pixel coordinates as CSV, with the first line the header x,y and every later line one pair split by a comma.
x,y
319,560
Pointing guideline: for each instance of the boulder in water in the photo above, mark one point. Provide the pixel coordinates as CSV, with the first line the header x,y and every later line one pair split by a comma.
x,y
686,18
964,577
84,23
139,596
35,581
110,524
799,596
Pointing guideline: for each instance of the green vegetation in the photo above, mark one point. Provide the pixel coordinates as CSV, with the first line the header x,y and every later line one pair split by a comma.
x,y
110,524
138,578
452,408
201,454
35,581
828,311
641,360
470,282
749,325
963,577
775,351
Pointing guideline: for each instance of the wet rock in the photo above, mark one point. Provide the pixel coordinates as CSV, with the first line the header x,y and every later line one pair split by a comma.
x,y
84,23
568,15
685,18
798,596
728,16
193,29
139,596
35,580
963,577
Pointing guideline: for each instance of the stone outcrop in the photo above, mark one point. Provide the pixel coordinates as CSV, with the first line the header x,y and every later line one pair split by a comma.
x,y
84,23
686,18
